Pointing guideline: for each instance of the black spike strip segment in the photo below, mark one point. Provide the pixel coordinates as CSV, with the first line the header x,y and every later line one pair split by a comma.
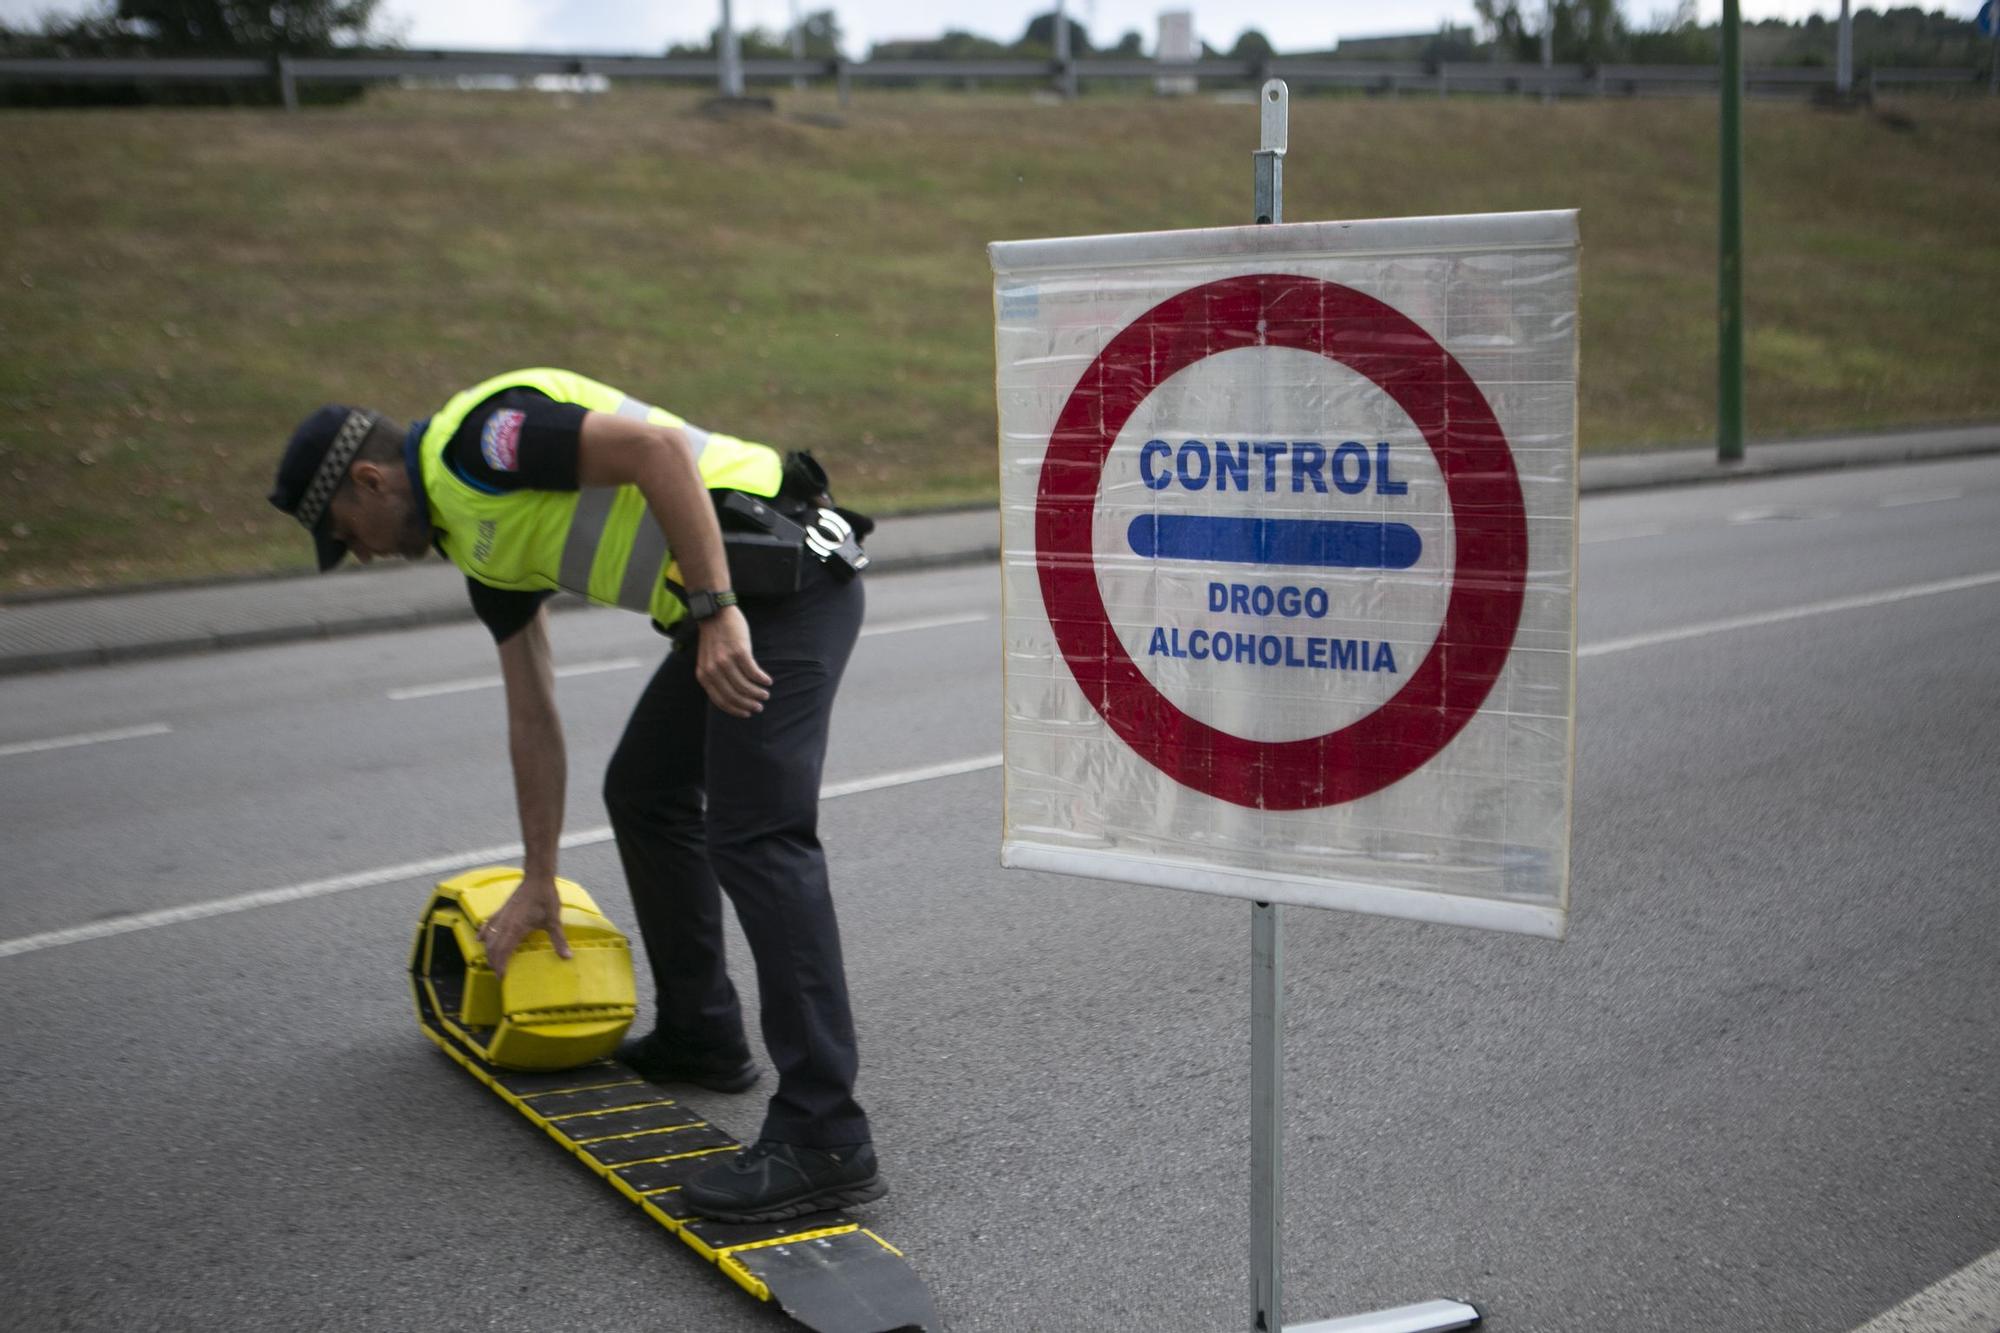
x,y
651,1177
660,1143
851,1283
593,1125
618,1097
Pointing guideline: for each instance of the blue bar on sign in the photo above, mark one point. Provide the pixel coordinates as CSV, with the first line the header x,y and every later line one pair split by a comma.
x,y
1331,543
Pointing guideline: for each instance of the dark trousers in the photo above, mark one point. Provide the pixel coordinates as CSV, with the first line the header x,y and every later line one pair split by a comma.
x,y
756,839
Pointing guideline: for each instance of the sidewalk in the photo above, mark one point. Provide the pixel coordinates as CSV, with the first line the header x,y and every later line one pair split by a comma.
x,y
93,628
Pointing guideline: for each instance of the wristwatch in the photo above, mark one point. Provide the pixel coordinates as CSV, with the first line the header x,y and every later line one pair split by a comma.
x,y
702,605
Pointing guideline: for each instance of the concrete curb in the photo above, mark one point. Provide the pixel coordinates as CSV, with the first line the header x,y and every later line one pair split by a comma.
x,y
98,628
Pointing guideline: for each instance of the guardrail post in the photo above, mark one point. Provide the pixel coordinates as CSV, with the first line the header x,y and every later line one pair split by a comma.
x,y
288,87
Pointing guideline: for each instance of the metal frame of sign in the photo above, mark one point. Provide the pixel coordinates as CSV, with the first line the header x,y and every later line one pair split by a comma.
x,y
1442,692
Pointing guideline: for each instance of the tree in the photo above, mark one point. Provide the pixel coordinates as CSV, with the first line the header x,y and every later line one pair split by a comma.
x,y
751,44
1596,33
1585,32
1252,45
1500,21
1131,44
1041,35
191,27
954,45
822,34
293,27
1674,37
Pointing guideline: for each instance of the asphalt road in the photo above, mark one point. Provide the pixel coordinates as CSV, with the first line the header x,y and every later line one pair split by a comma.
x,y
1755,1089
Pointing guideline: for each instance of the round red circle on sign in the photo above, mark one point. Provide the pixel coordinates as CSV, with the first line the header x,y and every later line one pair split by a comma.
x,y
1489,522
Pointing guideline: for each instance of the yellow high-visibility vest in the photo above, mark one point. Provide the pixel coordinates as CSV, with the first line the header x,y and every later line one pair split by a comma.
x,y
600,542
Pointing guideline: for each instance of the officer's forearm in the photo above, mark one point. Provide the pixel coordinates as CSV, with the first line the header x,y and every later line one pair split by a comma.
x,y
680,503
541,780
535,745
620,451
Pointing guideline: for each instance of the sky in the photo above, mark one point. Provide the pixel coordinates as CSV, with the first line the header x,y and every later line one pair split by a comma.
x,y
649,26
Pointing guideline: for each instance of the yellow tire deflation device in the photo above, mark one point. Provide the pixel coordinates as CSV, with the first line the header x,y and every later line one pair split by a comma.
x,y
542,1038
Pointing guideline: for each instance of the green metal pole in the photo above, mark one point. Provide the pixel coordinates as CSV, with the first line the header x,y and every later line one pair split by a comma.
x,y
1729,348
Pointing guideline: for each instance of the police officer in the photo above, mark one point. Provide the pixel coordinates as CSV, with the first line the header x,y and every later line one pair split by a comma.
x,y
539,480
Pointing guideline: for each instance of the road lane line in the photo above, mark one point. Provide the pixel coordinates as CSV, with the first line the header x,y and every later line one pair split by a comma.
x,y
1919,498
469,683
1788,613
927,622
493,682
85,738
1966,1302
362,879
1629,534
856,786
1781,513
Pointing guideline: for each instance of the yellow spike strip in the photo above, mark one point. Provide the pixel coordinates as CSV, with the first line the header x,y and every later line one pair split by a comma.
x,y
750,1282
735,1272
883,1243
605,1085
799,1239
474,1043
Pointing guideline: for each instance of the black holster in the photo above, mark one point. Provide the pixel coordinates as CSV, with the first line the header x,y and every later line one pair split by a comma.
x,y
767,540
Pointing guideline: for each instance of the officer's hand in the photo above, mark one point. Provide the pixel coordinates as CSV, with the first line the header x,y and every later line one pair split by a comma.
x,y
725,668
533,906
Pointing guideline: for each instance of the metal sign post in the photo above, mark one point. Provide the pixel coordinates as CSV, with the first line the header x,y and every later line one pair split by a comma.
x,y
729,55
1729,332
1267,979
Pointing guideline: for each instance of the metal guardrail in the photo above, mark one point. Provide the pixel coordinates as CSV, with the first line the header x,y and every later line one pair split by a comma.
x,y
1390,77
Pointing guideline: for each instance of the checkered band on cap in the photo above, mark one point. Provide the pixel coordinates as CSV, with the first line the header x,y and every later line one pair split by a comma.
x,y
333,467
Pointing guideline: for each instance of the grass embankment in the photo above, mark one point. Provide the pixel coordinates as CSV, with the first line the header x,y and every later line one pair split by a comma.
x,y
177,287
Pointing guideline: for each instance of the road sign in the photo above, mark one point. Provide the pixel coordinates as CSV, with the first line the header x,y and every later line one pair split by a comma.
x,y
1986,19
1289,527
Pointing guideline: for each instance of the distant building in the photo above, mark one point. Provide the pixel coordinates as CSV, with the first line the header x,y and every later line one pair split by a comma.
x,y
1407,46
1177,47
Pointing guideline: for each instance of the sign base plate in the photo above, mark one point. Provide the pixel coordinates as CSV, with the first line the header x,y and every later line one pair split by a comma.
x,y
1428,1317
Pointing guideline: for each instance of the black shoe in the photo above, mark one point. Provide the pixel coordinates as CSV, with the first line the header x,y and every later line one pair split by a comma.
x,y
659,1059
773,1181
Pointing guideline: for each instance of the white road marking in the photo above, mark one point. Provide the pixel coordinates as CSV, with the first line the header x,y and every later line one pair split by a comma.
x,y
470,683
1919,498
1708,627
1966,1302
928,622
361,879
1624,535
493,682
85,738
856,786
1768,513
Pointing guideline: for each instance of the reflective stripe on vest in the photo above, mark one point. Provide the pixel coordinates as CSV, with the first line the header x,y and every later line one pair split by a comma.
x,y
593,513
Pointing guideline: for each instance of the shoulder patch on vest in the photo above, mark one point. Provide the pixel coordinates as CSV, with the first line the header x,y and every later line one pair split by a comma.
x,y
500,441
